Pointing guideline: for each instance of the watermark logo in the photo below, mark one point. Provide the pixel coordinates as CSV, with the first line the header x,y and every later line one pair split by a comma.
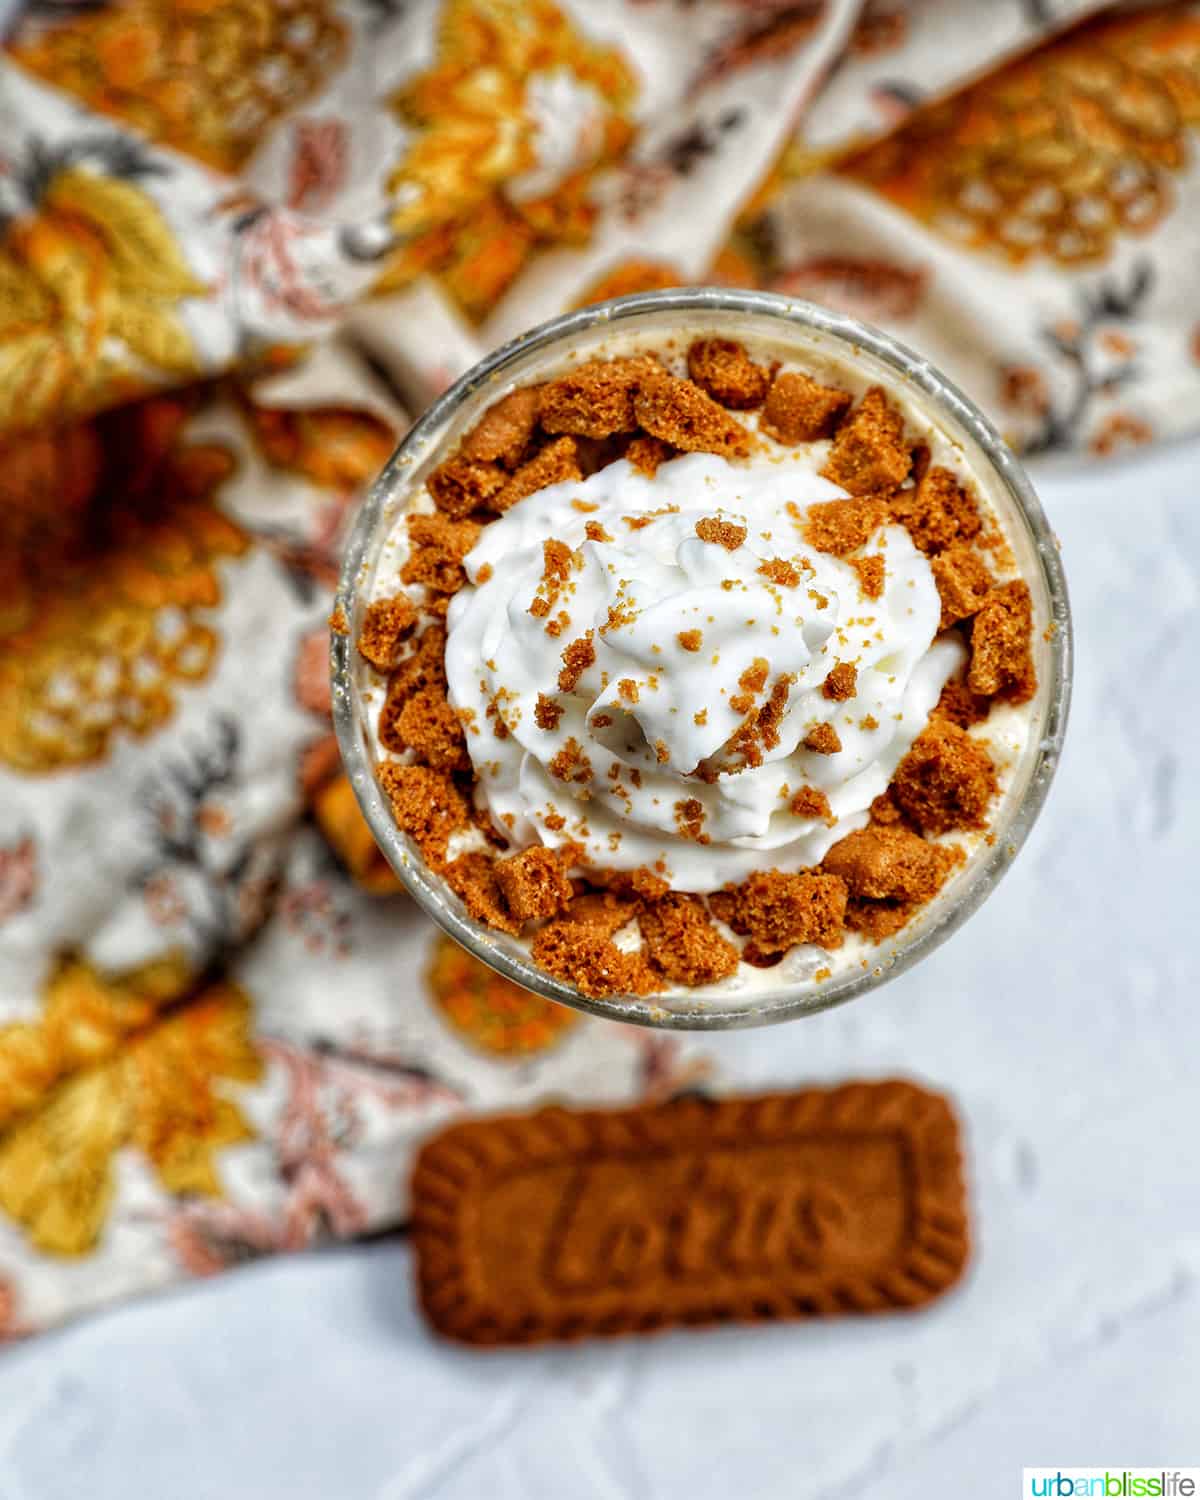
x,y
1113,1484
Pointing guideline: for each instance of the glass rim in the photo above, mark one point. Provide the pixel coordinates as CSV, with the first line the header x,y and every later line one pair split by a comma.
x,y
780,1002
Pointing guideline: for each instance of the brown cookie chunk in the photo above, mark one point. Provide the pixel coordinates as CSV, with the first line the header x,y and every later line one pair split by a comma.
x,y
426,805
596,399
724,369
681,942
869,452
798,410
679,412
777,911
535,883
937,512
566,1225
946,780
557,461
387,624
460,485
963,582
842,526
504,431
1002,645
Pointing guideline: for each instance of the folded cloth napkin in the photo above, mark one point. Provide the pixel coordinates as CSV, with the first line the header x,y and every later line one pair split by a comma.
x,y
240,243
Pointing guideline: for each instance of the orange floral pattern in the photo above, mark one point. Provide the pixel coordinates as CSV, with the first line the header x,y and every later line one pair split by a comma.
x,y
109,542
491,1013
90,282
207,77
1059,153
161,1092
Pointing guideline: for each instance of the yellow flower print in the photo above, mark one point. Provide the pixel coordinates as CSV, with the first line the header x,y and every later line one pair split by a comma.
x,y
90,278
490,1012
207,77
163,1094
108,545
509,126
1059,153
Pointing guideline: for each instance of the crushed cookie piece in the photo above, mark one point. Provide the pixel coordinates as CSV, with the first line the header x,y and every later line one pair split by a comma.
x,y
700,718
810,802
868,722
438,548
628,689
841,682
571,763
868,451
960,705
605,911
770,715
424,667
946,780
885,809
778,570
557,560
689,820
963,582
885,862
871,572
426,805
727,534
681,942
387,624
641,883
799,410
431,729
728,374
338,623
577,656
601,721
842,526
778,911
1001,645
679,412
483,573
823,739
890,873
596,399
558,461
472,877
460,485
937,512
662,753
534,883
648,454
595,532
579,954
547,712
555,822
690,640
502,434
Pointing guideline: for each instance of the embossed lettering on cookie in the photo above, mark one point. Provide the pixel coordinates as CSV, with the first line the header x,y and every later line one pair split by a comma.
x,y
562,1225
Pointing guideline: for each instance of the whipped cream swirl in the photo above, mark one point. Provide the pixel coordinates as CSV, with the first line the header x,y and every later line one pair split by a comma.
x,y
672,731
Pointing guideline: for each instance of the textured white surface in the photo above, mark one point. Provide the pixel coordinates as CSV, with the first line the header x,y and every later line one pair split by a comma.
x,y
1065,1019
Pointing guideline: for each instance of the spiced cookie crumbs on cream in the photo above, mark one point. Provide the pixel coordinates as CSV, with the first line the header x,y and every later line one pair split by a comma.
x,y
681,666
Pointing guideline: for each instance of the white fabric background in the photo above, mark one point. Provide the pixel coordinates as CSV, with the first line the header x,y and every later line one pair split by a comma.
x,y
1065,1019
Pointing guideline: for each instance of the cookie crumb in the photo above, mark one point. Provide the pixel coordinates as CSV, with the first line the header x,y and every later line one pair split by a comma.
x,y
869,453
799,410
426,805
778,910
558,461
423,667
726,372
547,712
503,433
890,873
963,582
843,526
460,485
960,705
679,412
946,780
1001,645
823,739
727,534
937,512
596,399
438,548
690,640
648,454
778,570
681,942
872,572
387,624
810,802
571,763
577,656
431,729
841,682
338,623
472,877
534,883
